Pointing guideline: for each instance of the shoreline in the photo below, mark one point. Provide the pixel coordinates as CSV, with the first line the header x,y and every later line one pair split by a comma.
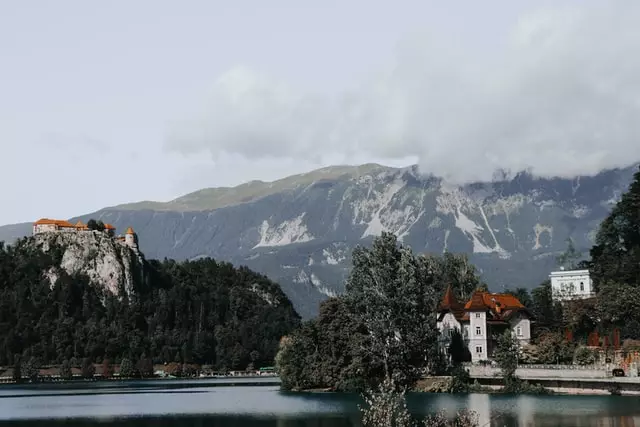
x,y
231,379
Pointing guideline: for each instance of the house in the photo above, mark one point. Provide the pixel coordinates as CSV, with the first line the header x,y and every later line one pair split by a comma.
x,y
481,319
571,285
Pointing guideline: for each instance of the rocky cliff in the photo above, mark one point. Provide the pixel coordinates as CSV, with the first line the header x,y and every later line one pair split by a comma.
x,y
300,230
107,263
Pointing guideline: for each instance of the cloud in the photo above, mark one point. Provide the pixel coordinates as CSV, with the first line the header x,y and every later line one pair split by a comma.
x,y
560,97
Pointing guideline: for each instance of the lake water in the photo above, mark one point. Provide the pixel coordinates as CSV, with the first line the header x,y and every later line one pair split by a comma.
x,y
216,403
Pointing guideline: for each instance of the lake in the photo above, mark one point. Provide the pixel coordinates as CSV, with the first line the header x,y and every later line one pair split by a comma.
x,y
217,403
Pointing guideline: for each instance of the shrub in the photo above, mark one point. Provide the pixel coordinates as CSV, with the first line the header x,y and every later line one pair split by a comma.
x,y
585,356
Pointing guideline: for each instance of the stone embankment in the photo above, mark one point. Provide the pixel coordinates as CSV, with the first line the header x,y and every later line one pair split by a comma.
x,y
564,379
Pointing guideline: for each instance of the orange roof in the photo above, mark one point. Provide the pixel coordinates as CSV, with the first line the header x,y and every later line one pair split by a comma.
x,y
58,222
109,227
487,301
80,225
500,306
450,303
129,231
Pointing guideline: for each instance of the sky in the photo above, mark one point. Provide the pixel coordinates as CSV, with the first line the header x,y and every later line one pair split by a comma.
x,y
103,103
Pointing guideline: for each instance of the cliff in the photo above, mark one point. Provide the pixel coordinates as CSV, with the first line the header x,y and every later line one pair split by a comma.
x,y
108,263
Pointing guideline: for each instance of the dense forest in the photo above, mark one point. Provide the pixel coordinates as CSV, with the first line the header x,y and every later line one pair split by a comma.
x,y
202,312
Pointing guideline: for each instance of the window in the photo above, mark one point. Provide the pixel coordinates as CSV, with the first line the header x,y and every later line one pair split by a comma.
x,y
477,315
478,330
582,286
479,349
519,331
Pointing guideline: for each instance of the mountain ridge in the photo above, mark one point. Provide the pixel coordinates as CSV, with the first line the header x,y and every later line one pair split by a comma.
x,y
301,235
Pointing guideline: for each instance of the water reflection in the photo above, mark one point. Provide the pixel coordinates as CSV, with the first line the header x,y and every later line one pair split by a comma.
x,y
202,404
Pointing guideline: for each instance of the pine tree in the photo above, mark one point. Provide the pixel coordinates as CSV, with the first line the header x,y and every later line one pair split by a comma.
x,y
616,254
615,260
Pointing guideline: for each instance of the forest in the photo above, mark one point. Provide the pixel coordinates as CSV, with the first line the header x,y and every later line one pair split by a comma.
x,y
201,312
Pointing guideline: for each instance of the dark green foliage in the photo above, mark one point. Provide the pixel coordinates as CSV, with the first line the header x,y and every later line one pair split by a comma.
x,y
382,329
145,366
506,356
17,369
460,380
65,370
615,262
88,370
200,311
458,350
107,368
31,369
92,224
547,313
585,356
326,352
126,368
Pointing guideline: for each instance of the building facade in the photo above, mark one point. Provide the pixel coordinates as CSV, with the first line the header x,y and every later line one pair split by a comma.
x,y
46,225
571,285
481,320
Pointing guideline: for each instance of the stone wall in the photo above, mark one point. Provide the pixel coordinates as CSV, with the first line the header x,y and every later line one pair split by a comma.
x,y
524,372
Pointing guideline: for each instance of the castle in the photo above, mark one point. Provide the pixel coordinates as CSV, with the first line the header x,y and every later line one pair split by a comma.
x,y
481,320
46,225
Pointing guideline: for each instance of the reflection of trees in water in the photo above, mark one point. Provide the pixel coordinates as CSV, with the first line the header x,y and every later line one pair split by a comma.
x,y
200,421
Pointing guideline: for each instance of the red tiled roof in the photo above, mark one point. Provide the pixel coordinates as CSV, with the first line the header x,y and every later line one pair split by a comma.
x,y
494,302
500,307
58,222
109,227
450,303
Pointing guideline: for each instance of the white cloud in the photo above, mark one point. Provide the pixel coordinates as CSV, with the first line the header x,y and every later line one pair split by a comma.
x,y
560,97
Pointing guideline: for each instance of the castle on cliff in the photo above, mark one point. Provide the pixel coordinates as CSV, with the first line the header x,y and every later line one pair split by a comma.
x,y
46,225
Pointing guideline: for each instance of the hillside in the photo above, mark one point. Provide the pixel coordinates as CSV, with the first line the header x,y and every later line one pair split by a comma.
x,y
86,296
300,231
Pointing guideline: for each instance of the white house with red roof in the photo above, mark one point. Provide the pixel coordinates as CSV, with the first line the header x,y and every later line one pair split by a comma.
x,y
481,320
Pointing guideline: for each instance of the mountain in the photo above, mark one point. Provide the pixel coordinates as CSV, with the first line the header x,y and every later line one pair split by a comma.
x,y
300,230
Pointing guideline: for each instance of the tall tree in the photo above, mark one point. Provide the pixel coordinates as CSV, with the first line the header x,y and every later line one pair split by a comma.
x,y
616,255
455,270
570,258
615,260
392,292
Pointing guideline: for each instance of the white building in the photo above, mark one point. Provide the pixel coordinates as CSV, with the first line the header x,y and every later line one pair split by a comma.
x,y
482,320
571,284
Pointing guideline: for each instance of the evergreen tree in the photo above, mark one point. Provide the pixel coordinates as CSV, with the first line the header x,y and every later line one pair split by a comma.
x,y
65,370
615,261
88,369
616,255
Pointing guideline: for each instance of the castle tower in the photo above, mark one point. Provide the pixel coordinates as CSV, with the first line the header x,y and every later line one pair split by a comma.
x,y
130,238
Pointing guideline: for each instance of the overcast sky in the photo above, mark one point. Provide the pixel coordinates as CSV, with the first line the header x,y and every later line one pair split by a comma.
x,y
106,102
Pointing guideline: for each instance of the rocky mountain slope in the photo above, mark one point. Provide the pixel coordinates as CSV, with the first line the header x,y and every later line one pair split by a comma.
x,y
113,266
300,230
